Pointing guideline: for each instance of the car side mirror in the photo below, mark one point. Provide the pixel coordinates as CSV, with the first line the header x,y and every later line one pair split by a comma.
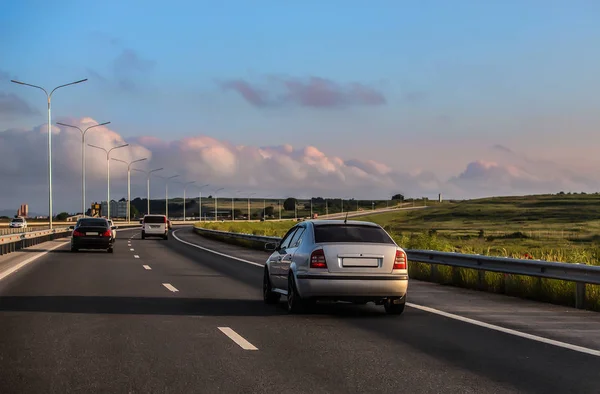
x,y
270,246
71,227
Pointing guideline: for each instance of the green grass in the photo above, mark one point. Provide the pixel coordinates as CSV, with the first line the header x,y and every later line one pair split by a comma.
x,y
562,228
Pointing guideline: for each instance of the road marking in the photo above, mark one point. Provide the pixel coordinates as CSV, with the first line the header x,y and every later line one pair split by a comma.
x,y
214,251
237,338
136,256
147,267
509,331
29,260
131,248
548,341
170,287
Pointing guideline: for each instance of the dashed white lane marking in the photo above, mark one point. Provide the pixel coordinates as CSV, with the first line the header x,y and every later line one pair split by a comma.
x,y
136,256
532,337
170,287
131,248
509,331
147,267
237,338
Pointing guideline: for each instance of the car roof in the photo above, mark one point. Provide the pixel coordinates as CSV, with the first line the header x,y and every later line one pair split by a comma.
x,y
323,222
155,214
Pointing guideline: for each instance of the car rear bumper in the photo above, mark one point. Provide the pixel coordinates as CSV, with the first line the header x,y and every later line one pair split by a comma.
x,y
344,286
92,243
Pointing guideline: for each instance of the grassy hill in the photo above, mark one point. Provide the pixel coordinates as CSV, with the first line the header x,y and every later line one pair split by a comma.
x,y
548,227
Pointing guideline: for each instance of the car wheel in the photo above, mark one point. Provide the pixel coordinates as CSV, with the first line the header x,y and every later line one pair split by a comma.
x,y
143,235
269,296
165,237
74,250
394,309
294,302
110,250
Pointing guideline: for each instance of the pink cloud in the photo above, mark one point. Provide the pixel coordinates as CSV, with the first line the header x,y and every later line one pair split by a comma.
x,y
315,92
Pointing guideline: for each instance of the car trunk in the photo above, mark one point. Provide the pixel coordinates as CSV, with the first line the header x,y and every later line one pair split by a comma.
x,y
359,258
92,231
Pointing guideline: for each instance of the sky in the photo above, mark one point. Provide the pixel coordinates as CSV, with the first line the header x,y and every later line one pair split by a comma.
x,y
346,99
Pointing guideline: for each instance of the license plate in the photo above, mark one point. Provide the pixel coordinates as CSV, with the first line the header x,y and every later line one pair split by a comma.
x,y
154,226
357,262
91,233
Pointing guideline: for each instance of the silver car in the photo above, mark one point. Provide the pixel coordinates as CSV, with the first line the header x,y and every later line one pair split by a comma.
x,y
336,260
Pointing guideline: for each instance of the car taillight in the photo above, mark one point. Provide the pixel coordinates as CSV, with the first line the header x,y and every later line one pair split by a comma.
x,y
166,219
77,233
400,261
317,259
107,233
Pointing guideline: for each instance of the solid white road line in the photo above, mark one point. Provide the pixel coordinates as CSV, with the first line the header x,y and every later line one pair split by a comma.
x,y
136,256
170,287
509,331
147,267
548,341
29,260
214,251
237,338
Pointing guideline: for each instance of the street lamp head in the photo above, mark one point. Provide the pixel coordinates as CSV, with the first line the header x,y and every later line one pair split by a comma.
x,y
103,124
19,82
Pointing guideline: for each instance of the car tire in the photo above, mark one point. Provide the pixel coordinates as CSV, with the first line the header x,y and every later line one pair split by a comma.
x,y
269,297
143,235
74,250
165,237
295,304
394,309
110,250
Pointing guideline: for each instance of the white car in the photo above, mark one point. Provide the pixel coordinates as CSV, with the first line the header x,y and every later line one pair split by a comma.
x,y
336,260
113,228
18,222
155,226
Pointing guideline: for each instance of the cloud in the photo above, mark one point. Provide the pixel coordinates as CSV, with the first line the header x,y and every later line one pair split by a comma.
x,y
126,68
12,106
128,65
314,92
280,170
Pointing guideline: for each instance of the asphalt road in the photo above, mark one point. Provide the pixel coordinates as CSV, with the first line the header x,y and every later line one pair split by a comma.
x,y
98,322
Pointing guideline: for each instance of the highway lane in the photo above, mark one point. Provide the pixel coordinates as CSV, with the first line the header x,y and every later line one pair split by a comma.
x,y
94,322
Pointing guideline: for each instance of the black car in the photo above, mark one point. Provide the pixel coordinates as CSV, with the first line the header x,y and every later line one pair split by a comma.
x,y
92,233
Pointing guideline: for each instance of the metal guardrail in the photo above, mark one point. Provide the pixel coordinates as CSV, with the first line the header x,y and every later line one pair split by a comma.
x,y
13,242
581,274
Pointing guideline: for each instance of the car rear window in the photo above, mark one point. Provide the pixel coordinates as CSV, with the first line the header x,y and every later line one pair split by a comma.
x,y
93,222
154,219
351,233
17,220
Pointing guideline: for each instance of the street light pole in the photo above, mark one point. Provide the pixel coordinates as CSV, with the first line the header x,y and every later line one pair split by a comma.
x,y
83,132
185,185
167,179
200,201
129,185
148,174
108,173
216,202
249,195
49,97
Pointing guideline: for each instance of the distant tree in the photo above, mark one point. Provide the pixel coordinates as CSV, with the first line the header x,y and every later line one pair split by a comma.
x,y
134,211
290,204
561,193
210,196
62,216
398,197
269,211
